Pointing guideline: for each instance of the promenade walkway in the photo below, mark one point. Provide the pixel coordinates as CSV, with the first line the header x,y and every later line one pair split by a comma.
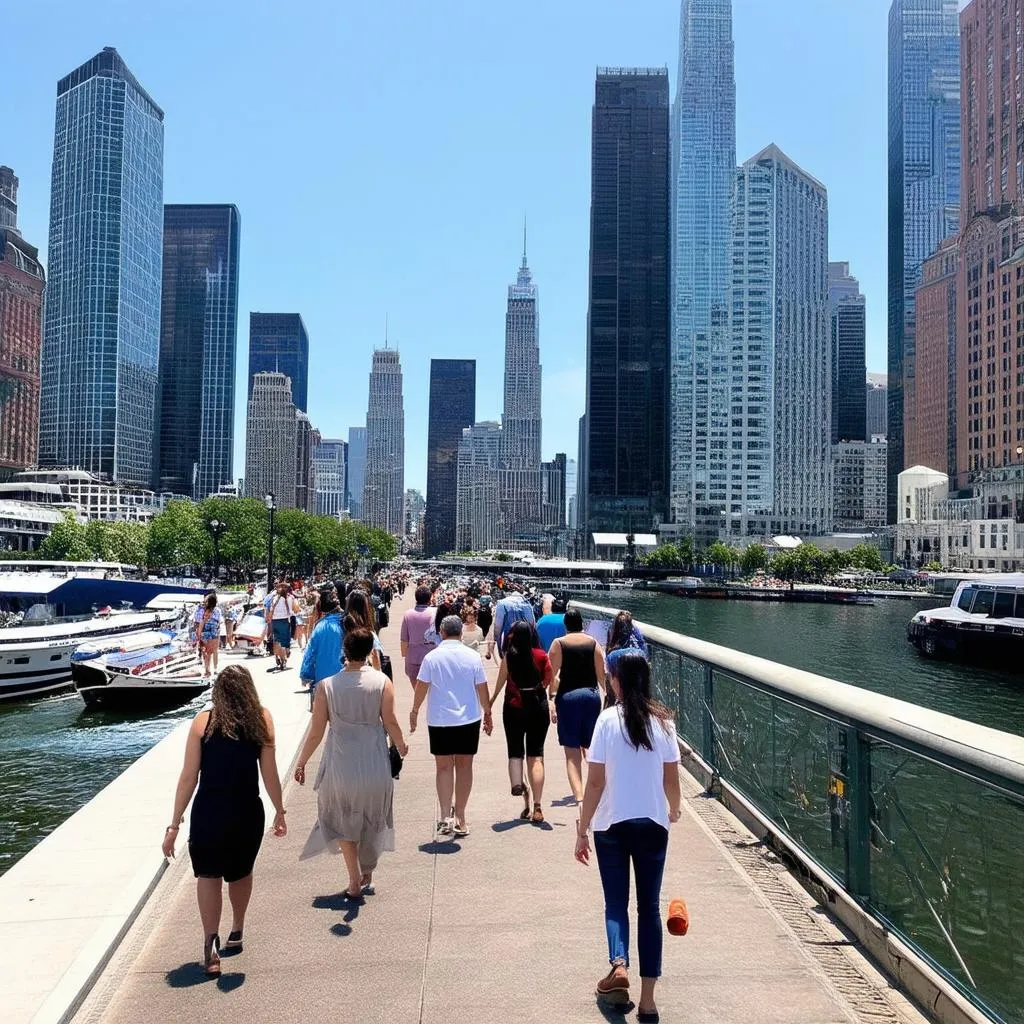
x,y
500,926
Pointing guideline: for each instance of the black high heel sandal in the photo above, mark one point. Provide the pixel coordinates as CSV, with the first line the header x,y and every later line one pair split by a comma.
x,y
211,956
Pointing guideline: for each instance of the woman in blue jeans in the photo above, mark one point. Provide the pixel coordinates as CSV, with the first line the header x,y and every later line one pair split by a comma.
x,y
631,797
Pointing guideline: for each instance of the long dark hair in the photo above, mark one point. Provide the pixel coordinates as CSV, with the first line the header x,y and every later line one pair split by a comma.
x,y
360,607
443,611
522,669
633,674
619,631
237,713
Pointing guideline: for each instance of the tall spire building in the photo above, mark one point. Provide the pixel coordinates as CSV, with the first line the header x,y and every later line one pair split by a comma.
x,y
703,174
384,482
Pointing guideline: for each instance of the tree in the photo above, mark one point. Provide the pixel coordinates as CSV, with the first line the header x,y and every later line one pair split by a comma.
x,y
177,537
754,557
66,541
719,555
867,556
128,542
243,540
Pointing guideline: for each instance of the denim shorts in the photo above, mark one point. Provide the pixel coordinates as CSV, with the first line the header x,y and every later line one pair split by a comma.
x,y
577,712
282,633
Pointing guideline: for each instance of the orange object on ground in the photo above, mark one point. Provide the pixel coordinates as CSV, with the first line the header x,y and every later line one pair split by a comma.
x,y
678,918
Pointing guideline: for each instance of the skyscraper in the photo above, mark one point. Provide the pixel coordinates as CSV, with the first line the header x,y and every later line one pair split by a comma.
x,y
198,339
101,343
478,491
703,174
520,421
626,471
307,439
330,462
847,328
21,332
356,471
877,403
452,409
781,457
278,343
571,481
384,482
924,182
270,446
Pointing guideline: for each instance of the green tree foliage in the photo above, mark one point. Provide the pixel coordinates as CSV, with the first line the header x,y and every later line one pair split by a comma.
x,y
243,540
754,557
720,555
66,541
867,556
177,536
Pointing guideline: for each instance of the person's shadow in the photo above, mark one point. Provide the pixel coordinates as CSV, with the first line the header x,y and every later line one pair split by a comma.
x,y
190,975
341,901
439,847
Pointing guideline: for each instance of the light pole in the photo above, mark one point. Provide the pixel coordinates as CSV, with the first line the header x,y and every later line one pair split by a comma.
x,y
216,529
269,499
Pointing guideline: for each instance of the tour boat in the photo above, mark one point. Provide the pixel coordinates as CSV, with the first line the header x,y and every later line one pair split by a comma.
x,y
984,622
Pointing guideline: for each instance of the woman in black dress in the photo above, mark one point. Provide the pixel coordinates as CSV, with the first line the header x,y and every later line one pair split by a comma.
x,y
225,746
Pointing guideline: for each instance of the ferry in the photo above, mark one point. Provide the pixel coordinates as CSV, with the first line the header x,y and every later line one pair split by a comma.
x,y
984,622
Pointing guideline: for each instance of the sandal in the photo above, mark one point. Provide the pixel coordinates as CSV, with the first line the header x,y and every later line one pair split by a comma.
x,y
518,790
648,1017
538,815
525,814
459,831
211,956
234,942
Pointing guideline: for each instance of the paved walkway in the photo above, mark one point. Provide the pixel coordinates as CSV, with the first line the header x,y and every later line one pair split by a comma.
x,y
501,926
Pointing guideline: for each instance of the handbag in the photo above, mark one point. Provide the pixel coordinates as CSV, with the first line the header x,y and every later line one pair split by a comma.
x,y
395,758
385,667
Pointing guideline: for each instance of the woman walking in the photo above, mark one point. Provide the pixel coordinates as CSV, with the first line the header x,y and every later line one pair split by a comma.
x,y
577,664
631,797
354,786
322,657
206,633
360,609
623,634
526,670
225,745
472,634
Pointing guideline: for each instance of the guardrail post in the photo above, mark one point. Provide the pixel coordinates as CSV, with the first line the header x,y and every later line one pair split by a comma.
x,y
708,750
858,810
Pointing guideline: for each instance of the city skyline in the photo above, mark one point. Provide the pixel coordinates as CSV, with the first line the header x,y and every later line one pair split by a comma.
x,y
556,254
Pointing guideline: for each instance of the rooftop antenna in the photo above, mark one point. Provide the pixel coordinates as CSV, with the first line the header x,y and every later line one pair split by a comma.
x,y
524,241
385,330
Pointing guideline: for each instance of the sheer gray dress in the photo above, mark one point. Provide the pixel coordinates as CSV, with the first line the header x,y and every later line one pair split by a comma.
x,y
354,787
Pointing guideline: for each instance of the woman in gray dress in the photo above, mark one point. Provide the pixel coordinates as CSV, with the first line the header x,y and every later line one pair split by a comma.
x,y
354,786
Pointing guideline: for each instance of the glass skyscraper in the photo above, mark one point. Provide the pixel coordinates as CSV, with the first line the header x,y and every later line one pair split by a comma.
x,y
102,335
198,337
356,471
384,476
626,452
278,343
848,326
924,183
703,174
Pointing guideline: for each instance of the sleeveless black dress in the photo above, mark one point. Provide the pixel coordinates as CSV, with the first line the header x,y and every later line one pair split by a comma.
x,y
227,823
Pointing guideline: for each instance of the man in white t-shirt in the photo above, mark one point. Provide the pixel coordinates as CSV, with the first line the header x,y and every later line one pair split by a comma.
x,y
452,681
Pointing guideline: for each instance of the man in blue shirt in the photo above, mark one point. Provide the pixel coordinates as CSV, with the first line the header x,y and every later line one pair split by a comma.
x,y
552,625
323,649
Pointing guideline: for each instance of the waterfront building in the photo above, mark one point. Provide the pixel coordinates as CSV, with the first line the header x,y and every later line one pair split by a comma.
x,y
86,494
383,485
452,409
101,341
270,446
924,183
859,481
307,439
930,434
626,450
703,171
848,330
781,395
198,339
22,282
330,466
356,475
877,406
278,343
479,497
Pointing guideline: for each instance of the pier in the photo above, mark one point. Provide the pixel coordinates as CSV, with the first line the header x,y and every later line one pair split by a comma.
x,y
502,926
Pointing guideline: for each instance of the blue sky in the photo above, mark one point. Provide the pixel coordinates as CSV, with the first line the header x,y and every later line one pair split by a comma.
x,y
382,156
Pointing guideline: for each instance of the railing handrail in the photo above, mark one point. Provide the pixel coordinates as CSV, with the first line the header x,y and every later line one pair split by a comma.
x,y
995,756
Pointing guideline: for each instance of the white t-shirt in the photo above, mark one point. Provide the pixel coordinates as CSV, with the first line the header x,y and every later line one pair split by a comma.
x,y
282,607
634,778
453,672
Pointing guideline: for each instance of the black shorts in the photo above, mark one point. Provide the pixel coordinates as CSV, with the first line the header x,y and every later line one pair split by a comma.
x,y
454,740
526,729
230,854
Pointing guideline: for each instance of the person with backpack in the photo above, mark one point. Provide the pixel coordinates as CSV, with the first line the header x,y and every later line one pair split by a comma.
x,y
525,676
508,611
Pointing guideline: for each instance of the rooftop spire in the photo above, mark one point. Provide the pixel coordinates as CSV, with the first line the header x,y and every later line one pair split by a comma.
x,y
524,241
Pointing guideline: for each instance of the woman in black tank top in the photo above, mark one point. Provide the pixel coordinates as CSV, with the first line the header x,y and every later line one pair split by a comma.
x,y
578,664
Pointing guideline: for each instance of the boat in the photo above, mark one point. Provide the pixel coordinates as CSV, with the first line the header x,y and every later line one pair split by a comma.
x,y
983,623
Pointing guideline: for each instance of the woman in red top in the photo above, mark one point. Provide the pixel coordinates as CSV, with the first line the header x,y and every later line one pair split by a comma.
x,y
526,715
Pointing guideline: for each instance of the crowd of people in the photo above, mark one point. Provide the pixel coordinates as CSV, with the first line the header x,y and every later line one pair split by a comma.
x,y
592,682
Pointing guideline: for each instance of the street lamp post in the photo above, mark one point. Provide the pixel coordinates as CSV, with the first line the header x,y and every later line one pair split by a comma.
x,y
269,499
216,529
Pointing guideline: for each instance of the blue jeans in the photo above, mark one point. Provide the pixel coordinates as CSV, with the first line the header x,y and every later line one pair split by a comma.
x,y
644,842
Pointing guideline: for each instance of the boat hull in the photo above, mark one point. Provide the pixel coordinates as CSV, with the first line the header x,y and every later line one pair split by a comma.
x,y
150,679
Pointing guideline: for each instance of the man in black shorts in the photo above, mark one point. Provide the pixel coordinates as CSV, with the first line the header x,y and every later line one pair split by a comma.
x,y
452,681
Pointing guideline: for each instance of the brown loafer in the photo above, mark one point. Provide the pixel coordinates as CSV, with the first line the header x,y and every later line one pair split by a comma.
x,y
614,986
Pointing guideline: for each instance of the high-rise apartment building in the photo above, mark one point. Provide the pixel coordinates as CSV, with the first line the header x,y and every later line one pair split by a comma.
x,y
553,490
703,172
356,471
924,184
307,440
877,406
384,481
330,463
781,394
858,479
21,332
521,516
101,343
477,525
626,472
848,331
452,409
270,447
198,340
278,343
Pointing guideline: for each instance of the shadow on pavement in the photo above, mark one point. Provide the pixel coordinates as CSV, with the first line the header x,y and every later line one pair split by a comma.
x,y
190,975
439,847
565,801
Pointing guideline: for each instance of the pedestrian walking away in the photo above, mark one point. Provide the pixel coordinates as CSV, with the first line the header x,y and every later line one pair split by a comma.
x,y
226,746
323,654
551,625
631,797
206,633
453,682
508,611
279,627
525,676
415,623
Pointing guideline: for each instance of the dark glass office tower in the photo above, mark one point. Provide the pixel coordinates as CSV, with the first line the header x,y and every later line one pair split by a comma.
x,y
198,337
626,472
278,343
452,408
848,325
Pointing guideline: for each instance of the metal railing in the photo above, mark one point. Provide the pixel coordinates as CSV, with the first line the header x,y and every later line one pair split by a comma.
x,y
916,815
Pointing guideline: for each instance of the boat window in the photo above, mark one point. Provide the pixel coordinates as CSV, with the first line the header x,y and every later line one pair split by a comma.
x,y
983,602
1004,604
21,661
966,597
55,657
1020,605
